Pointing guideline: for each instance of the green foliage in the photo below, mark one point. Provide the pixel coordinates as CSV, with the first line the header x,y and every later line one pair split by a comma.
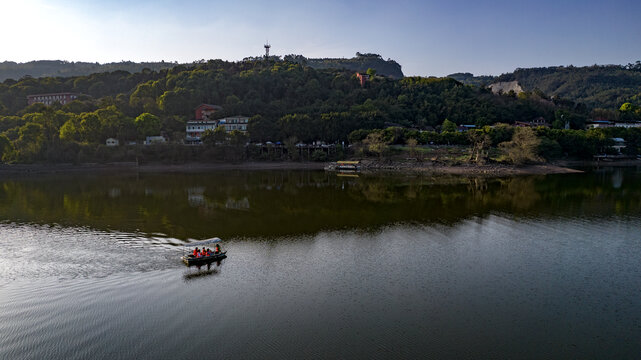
x,y
6,147
448,126
376,143
285,99
148,124
361,62
319,155
523,148
549,149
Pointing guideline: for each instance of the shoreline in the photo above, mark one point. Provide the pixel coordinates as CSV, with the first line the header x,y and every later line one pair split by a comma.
x,y
367,167
494,170
151,168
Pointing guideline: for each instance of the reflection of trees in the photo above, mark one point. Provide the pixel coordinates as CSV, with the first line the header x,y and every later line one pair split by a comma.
x,y
520,192
285,202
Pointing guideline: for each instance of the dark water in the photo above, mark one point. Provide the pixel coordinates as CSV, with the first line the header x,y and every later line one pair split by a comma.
x,y
320,266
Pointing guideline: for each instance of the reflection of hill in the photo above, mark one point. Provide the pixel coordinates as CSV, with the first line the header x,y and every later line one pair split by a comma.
x,y
278,203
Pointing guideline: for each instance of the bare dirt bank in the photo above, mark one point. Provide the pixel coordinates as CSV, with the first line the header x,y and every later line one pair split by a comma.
x,y
373,166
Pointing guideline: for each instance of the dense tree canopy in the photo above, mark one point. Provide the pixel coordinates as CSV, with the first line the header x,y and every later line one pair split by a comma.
x,y
284,100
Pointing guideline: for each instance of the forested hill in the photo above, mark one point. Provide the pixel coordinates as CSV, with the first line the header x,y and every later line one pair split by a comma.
x,y
59,68
285,101
360,62
597,86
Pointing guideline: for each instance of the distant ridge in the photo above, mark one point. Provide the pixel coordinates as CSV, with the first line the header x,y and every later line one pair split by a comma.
x,y
60,68
596,86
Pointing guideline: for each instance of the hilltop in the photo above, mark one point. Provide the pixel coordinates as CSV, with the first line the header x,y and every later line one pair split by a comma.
x,y
59,68
360,62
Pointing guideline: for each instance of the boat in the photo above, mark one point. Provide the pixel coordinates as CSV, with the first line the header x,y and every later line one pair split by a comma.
x,y
190,259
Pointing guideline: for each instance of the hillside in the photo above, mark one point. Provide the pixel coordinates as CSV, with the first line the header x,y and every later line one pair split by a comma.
x,y
360,62
285,101
597,86
59,68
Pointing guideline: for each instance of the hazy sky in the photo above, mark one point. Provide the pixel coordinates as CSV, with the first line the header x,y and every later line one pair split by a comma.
x,y
425,37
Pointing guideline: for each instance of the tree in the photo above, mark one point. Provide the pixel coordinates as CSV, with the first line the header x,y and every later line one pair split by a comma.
x,y
30,142
237,138
448,126
90,128
69,130
148,124
411,143
5,147
523,148
375,143
481,142
214,137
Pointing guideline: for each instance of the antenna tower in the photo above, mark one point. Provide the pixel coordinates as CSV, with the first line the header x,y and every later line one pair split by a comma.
x,y
267,46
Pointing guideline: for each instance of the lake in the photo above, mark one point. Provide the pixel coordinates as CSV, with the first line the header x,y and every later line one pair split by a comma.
x,y
321,266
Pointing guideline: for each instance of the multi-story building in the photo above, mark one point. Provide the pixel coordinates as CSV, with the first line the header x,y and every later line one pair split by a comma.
x,y
204,121
50,99
235,123
196,129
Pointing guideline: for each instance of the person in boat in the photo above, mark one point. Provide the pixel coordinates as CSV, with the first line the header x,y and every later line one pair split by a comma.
x,y
217,249
203,253
208,252
196,252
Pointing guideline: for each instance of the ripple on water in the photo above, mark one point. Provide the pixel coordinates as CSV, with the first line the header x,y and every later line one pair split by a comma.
x,y
36,251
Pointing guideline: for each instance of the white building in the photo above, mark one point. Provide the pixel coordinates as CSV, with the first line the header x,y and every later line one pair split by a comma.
x,y
196,129
235,123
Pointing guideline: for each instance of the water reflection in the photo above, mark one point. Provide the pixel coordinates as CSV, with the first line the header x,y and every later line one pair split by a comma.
x,y
278,203
199,271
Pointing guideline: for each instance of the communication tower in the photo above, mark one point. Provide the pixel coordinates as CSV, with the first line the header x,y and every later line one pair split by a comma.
x,y
267,46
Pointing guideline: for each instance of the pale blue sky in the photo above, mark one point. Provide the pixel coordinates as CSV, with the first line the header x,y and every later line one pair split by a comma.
x,y
425,37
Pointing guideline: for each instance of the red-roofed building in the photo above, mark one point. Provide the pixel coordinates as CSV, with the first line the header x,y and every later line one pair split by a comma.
x,y
203,111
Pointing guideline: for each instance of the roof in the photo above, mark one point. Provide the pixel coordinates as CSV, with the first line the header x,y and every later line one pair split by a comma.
x,y
51,94
201,122
203,242
218,107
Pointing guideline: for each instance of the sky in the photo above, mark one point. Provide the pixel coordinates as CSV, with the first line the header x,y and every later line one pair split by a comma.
x,y
428,38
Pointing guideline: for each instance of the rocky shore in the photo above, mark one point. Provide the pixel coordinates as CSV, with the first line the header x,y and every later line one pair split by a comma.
x,y
411,165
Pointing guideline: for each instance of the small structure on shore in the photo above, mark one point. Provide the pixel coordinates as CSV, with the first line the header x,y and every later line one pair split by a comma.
x,y
112,142
151,140
345,166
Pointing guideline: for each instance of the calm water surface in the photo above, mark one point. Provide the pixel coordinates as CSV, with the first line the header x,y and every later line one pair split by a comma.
x,y
321,266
